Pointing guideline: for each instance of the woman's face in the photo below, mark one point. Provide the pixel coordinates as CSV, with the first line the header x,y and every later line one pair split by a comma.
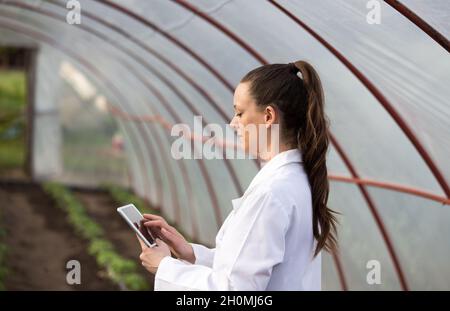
x,y
250,120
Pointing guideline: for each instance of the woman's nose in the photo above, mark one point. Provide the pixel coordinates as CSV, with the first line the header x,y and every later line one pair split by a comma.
x,y
234,124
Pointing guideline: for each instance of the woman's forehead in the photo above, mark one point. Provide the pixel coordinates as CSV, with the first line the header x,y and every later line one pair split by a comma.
x,y
242,96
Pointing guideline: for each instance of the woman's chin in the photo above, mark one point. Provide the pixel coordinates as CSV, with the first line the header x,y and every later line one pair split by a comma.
x,y
245,148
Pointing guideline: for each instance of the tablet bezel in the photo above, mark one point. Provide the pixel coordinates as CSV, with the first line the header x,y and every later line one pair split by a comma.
x,y
121,211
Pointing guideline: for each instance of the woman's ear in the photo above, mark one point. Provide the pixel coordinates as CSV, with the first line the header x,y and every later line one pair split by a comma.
x,y
269,116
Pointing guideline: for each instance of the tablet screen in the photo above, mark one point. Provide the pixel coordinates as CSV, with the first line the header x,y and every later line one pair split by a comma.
x,y
145,231
133,216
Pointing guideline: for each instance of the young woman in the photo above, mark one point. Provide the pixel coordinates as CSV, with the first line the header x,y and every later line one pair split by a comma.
x,y
273,237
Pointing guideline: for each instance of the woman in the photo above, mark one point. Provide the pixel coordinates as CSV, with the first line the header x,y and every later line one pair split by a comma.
x,y
273,237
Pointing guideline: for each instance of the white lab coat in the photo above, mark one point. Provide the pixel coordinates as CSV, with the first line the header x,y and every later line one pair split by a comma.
x,y
265,243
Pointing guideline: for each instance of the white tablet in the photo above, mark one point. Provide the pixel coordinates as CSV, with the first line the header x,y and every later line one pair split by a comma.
x,y
134,219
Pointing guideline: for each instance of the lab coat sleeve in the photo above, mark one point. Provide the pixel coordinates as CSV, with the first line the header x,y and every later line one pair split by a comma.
x,y
203,255
251,253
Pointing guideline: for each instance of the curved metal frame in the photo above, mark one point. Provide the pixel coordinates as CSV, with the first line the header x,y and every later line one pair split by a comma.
x,y
419,22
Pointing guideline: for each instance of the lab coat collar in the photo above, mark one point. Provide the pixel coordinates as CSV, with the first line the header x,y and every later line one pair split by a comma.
x,y
268,168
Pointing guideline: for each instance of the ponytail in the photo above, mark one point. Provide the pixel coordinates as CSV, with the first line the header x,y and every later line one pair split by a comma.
x,y
313,140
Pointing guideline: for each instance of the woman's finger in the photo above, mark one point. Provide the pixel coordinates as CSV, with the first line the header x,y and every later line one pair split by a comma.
x,y
155,228
143,246
160,224
173,230
156,223
152,217
168,236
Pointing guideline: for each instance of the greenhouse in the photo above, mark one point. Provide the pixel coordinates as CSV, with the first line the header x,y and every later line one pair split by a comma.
x,y
90,92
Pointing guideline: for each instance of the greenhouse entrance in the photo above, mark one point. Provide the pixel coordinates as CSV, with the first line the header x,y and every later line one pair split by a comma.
x,y
16,83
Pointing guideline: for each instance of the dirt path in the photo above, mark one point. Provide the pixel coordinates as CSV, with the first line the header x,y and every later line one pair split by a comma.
x,y
102,208
40,242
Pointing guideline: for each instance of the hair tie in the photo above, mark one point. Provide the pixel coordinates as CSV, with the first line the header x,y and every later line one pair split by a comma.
x,y
295,70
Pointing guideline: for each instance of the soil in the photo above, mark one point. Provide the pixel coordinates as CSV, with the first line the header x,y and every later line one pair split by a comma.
x,y
40,242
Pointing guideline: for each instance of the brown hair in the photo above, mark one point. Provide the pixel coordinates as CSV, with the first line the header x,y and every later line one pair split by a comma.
x,y
303,123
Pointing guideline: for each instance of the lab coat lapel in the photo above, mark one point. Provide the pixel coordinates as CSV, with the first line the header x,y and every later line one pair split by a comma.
x,y
236,203
259,177
269,168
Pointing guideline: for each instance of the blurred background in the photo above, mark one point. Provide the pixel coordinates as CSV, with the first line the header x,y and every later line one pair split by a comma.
x,y
89,92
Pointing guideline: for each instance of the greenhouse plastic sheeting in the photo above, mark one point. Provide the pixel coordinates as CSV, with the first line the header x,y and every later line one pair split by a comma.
x,y
387,97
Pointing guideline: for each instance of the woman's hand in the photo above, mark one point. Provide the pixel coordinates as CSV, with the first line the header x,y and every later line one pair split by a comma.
x,y
152,256
177,243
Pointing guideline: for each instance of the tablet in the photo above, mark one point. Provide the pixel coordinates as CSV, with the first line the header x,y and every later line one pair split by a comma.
x,y
134,219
